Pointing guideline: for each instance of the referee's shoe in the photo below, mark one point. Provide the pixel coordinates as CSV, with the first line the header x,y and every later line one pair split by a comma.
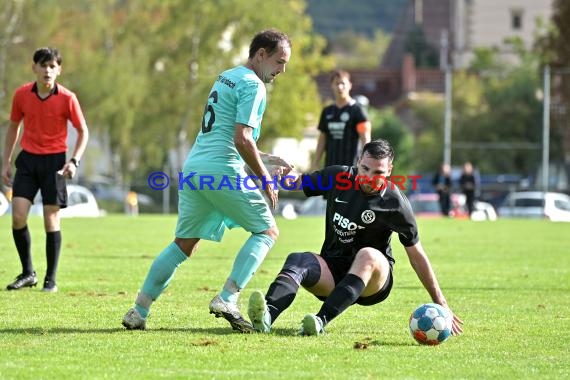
x,y
24,280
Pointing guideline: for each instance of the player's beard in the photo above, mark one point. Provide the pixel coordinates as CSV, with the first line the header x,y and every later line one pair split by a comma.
x,y
268,77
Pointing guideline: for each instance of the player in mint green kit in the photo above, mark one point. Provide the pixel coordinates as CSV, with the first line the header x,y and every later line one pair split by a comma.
x,y
210,199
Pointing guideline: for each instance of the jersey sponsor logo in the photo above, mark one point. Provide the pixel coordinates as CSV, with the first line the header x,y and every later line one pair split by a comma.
x,y
368,216
336,129
339,200
345,223
222,79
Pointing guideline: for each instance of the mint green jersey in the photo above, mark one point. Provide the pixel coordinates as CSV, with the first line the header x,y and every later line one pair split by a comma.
x,y
237,96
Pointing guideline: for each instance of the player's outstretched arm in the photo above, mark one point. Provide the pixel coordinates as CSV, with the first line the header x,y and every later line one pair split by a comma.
x,y
292,181
270,159
276,166
422,266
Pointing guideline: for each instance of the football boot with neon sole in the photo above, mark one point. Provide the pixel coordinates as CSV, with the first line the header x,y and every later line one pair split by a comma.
x,y
258,312
311,326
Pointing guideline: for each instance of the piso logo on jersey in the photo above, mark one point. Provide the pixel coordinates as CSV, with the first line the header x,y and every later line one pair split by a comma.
x,y
345,223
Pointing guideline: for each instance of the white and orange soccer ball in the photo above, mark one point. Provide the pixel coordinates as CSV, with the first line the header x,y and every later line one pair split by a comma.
x,y
430,324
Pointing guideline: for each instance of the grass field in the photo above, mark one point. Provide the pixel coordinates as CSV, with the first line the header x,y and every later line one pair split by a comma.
x,y
508,280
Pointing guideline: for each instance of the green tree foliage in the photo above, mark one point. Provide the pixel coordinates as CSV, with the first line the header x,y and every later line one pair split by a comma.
x,y
143,69
425,54
485,59
554,48
387,125
427,111
362,17
358,51
555,44
17,43
496,117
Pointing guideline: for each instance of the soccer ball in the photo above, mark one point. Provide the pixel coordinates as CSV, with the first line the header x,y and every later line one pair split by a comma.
x,y
430,324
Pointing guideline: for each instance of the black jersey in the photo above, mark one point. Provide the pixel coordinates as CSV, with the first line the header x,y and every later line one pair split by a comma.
x,y
339,125
355,220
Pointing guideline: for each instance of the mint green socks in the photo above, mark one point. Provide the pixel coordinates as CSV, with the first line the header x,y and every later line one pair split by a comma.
x,y
159,276
162,270
248,259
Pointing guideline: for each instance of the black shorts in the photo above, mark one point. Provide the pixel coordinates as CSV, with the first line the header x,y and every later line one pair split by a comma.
x,y
39,172
339,267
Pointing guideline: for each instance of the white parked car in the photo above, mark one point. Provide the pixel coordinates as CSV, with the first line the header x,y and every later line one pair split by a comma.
x,y
80,203
536,204
4,204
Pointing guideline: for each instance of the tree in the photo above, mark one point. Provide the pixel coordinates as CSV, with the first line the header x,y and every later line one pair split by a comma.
x,y
554,48
10,16
358,51
425,54
496,117
17,44
142,70
387,125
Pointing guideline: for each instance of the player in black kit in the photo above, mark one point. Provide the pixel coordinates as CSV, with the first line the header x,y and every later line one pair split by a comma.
x,y
343,127
355,262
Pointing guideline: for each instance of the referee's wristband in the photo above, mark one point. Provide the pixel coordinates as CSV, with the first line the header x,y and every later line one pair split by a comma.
x,y
74,162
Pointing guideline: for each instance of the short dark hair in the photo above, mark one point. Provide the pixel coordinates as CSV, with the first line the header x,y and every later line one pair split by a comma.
x,y
379,149
269,40
340,74
46,54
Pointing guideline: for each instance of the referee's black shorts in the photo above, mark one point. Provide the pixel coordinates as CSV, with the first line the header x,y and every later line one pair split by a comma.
x,y
39,172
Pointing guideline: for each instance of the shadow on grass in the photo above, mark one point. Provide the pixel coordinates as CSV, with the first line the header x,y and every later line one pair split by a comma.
x,y
65,330
276,333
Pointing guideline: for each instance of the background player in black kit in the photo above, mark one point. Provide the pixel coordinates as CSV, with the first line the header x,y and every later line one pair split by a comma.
x,y
355,262
343,126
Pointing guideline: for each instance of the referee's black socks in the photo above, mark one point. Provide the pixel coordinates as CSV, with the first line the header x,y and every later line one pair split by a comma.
x,y
23,244
53,247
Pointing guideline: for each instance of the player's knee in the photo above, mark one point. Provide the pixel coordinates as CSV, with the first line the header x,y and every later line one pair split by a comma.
x,y
367,255
303,267
51,225
187,246
19,221
272,232
372,258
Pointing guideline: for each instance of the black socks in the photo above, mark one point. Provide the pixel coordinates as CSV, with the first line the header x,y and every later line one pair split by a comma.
x,y
344,294
280,295
53,248
23,246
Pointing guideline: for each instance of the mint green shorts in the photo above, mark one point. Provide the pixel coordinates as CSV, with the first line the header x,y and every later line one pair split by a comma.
x,y
204,213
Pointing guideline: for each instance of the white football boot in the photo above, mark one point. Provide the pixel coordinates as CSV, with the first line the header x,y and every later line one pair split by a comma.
x,y
133,320
231,313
